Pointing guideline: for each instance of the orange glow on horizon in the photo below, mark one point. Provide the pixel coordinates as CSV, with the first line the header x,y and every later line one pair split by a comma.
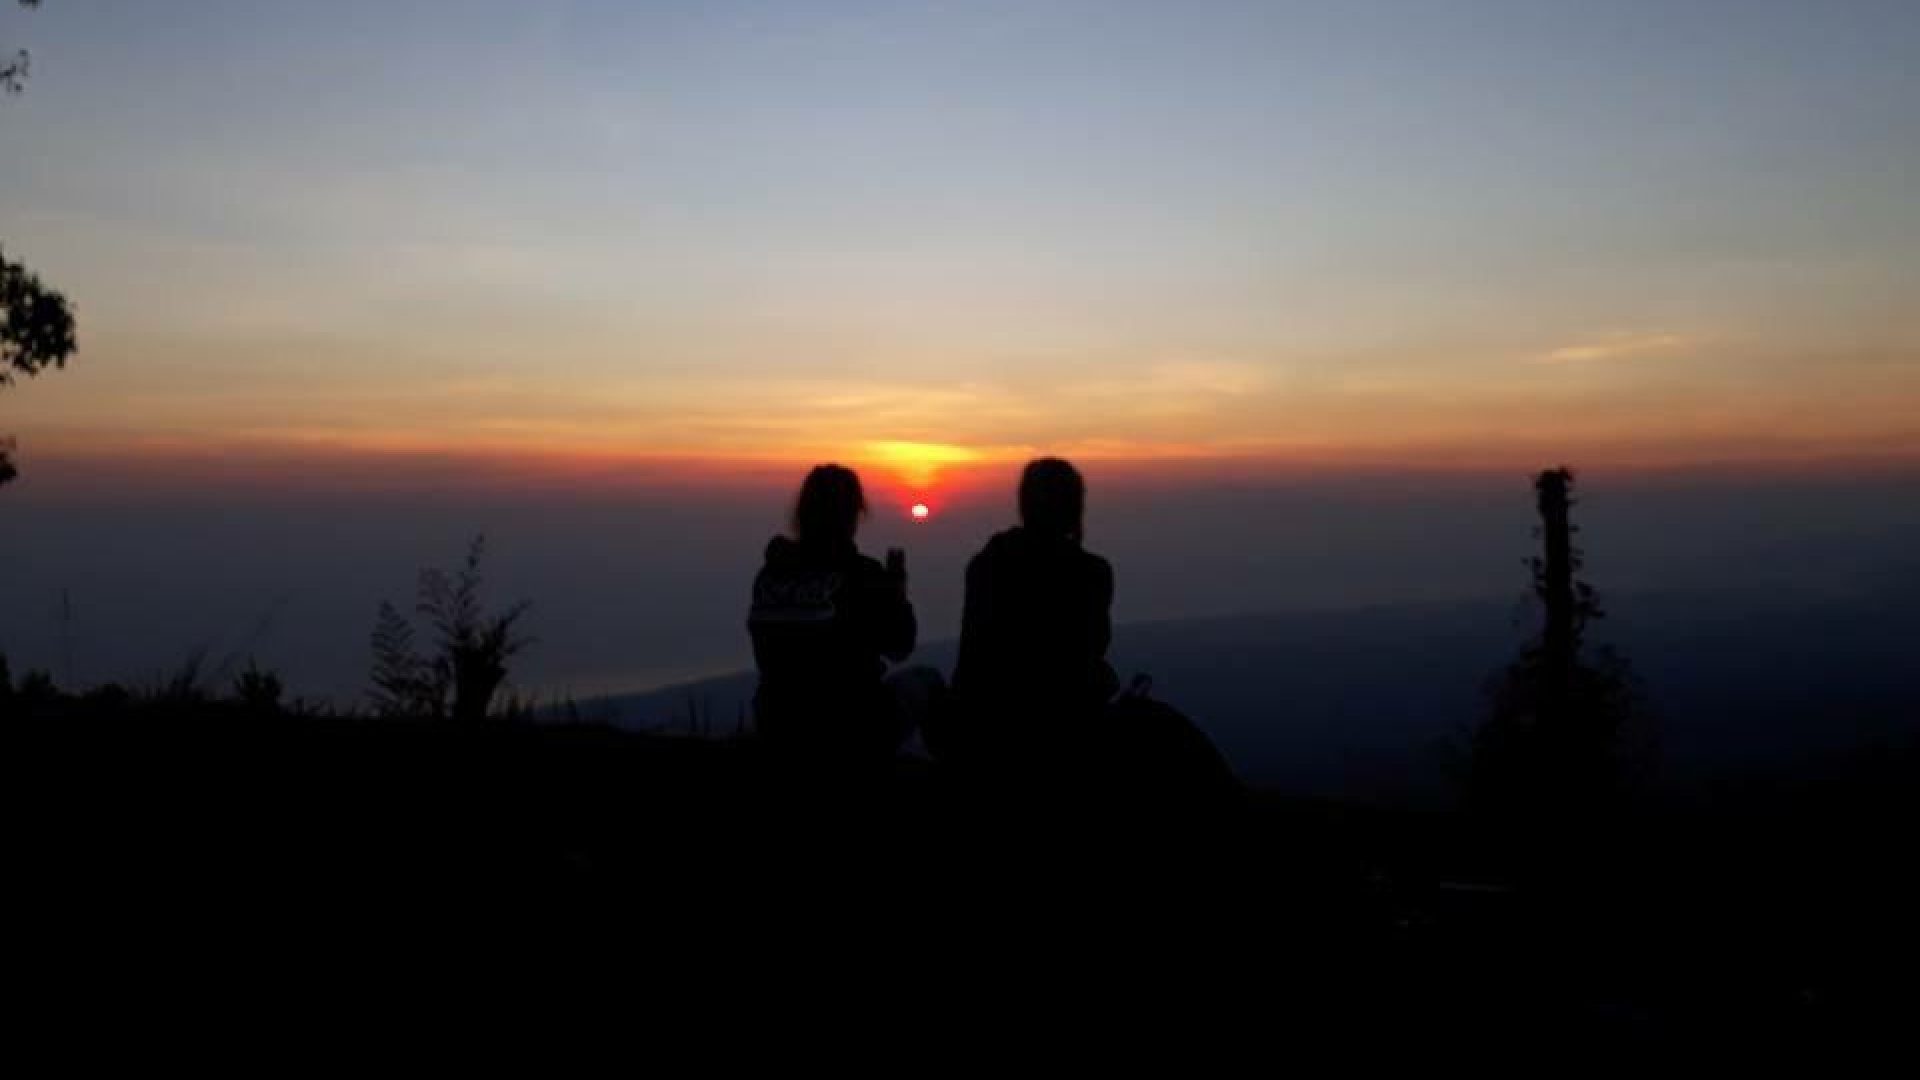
x,y
898,473
919,464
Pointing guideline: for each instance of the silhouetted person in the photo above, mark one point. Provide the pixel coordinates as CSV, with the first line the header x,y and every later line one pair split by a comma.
x,y
1033,674
825,620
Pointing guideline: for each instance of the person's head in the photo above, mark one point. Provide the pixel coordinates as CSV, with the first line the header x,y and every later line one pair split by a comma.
x,y
1053,498
830,505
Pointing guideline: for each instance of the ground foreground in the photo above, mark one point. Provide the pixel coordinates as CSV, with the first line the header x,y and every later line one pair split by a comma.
x,y
270,852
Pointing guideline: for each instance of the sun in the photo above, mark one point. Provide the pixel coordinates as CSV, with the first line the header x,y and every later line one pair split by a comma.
x,y
921,511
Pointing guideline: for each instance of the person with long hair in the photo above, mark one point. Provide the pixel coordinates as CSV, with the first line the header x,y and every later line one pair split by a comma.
x,y
825,622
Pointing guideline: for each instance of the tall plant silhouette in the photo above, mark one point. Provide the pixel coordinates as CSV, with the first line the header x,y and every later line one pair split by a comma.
x,y
1561,737
471,648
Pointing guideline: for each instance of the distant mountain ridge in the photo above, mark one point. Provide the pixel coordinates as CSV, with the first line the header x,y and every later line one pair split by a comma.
x,y
1375,702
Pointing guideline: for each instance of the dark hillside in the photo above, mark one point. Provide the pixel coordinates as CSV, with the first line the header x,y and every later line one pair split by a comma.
x,y
229,828
1371,703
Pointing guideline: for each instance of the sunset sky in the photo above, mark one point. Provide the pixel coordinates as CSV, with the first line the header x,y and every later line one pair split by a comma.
x,y
917,236
1308,290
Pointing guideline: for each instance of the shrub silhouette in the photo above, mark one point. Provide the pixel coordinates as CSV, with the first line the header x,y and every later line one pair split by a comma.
x,y
472,648
186,686
258,691
36,690
1554,747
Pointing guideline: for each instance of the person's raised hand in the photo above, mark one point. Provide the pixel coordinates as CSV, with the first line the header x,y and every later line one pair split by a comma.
x,y
897,565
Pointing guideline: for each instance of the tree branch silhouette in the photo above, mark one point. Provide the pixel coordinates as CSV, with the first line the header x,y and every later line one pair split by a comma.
x,y
36,322
13,74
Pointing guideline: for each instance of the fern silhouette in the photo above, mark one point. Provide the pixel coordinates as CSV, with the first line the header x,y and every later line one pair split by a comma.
x,y
472,647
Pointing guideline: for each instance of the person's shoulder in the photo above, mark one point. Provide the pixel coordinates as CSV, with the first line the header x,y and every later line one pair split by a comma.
x,y
1004,544
1098,568
999,547
978,566
777,561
